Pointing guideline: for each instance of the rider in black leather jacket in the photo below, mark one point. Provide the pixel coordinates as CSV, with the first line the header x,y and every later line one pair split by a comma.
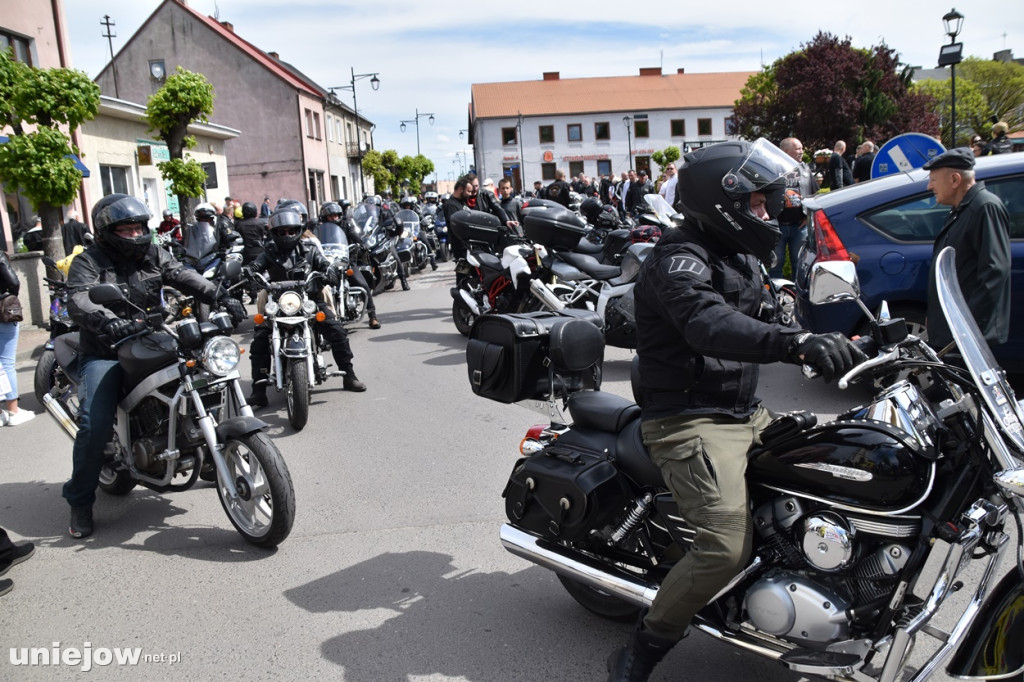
x,y
333,212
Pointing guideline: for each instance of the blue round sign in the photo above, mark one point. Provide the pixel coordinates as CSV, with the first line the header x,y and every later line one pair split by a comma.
x,y
905,152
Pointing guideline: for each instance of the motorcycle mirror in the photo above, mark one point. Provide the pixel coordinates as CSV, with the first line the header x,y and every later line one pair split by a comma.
x,y
102,294
833,281
232,269
49,262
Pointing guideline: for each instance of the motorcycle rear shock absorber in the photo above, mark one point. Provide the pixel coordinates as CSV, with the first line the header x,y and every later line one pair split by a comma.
x,y
637,514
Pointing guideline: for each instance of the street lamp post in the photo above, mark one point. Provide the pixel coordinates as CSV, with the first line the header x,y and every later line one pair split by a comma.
x,y
628,122
522,158
952,55
417,122
375,84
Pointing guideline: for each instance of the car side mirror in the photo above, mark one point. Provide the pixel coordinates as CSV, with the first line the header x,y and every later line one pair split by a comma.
x,y
102,294
833,281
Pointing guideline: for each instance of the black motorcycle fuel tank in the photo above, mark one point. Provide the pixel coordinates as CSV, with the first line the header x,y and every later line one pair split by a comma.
x,y
862,464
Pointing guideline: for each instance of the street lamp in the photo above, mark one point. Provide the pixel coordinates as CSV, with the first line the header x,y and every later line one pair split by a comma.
x,y
462,133
417,122
522,158
460,158
375,84
628,122
952,55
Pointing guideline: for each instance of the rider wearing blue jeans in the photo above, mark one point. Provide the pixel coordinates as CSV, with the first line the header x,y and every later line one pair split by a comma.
x,y
124,255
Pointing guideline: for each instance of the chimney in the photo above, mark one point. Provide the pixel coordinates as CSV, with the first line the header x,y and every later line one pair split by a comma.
x,y
650,71
275,55
550,75
680,70
228,25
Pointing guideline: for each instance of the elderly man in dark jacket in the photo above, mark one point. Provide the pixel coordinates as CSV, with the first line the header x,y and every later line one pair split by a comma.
x,y
978,228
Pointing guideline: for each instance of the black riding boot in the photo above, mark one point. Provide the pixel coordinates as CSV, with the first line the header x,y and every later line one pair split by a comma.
x,y
260,379
635,661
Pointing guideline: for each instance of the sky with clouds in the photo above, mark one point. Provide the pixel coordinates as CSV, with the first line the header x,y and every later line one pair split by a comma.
x,y
428,54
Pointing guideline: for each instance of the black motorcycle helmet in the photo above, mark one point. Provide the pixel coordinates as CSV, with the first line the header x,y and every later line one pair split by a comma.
x,y
115,210
206,213
248,210
286,228
591,208
293,205
714,188
331,208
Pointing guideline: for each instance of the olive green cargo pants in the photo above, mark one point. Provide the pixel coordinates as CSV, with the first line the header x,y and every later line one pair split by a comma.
x,y
703,459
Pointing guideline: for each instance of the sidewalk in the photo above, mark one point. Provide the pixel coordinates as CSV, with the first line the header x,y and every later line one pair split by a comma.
x,y
30,345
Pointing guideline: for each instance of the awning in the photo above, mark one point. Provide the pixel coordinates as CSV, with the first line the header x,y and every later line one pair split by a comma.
x,y
74,157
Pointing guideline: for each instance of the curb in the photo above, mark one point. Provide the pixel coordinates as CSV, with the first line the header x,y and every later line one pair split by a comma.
x,y
30,346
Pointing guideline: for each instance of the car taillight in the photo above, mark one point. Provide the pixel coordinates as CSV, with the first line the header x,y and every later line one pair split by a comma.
x,y
532,442
828,244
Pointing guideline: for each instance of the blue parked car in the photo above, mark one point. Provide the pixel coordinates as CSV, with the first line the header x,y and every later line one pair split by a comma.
x,y
887,226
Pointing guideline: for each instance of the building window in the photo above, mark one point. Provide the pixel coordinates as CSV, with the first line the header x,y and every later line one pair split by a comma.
x,y
547,171
602,131
643,163
678,127
730,126
348,126
604,167
115,179
641,129
336,188
316,125
316,186
344,188
309,123
329,125
22,47
337,130
703,126
575,168
547,134
508,136
575,132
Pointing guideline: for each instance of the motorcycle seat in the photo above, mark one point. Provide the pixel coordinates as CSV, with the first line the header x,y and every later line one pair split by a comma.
x,y
65,350
634,458
489,260
602,411
590,265
588,247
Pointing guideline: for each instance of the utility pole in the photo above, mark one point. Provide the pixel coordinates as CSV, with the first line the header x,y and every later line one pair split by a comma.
x,y
110,35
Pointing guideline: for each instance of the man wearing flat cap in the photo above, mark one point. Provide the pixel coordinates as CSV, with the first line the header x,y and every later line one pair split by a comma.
x,y
978,228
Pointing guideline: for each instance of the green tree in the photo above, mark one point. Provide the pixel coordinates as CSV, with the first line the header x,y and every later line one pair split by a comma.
x,y
1001,84
829,90
379,167
970,107
37,104
666,156
389,170
185,98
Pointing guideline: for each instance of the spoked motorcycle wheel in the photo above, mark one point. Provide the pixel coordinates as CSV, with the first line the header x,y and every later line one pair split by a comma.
x,y
604,604
462,316
265,509
298,394
44,376
116,481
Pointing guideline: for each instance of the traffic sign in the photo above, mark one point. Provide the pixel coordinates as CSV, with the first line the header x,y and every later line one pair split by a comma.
x,y
905,152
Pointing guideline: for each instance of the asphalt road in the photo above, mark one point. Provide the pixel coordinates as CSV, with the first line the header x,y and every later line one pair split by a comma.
x,y
393,570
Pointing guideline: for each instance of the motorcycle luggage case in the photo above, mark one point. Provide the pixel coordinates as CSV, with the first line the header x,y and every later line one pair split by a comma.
x,y
530,356
563,492
555,228
477,226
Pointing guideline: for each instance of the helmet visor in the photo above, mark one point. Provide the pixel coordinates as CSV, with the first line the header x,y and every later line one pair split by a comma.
x,y
763,165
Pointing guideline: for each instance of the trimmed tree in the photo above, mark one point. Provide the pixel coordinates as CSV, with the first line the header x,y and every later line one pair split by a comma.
x,y
184,99
37,104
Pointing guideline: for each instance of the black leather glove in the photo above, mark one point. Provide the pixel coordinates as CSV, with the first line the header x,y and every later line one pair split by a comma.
x,y
116,330
333,278
234,308
831,355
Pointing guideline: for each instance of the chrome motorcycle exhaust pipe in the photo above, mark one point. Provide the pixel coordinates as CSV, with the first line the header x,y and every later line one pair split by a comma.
x,y
579,568
545,295
470,301
57,412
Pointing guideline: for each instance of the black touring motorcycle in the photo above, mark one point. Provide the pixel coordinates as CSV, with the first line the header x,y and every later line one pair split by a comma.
x,y
865,525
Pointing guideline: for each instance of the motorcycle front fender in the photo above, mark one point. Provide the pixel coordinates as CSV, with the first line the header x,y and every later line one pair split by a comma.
x,y
239,426
993,648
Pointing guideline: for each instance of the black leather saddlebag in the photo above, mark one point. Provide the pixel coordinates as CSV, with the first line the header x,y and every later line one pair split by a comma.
x,y
563,492
531,356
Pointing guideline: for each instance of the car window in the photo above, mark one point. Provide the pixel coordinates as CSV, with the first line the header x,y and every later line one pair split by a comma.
x,y
1011,191
914,219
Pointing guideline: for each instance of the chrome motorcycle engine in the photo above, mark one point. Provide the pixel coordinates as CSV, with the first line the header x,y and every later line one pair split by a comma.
x,y
792,606
828,541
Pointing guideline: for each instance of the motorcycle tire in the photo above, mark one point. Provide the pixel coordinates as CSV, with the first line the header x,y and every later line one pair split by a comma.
x,y
297,390
116,481
444,254
45,374
604,604
462,316
265,512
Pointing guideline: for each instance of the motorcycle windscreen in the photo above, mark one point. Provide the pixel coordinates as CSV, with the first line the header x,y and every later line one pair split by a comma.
x,y
363,213
410,222
978,358
331,234
200,240
994,646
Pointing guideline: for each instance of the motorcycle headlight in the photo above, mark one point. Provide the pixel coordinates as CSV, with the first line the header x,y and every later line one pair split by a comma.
x,y
308,307
220,355
271,308
290,303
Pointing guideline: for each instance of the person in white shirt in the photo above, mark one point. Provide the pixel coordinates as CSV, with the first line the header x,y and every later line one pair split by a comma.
x,y
668,188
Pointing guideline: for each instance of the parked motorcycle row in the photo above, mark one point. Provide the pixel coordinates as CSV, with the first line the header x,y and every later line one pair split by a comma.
x,y
865,525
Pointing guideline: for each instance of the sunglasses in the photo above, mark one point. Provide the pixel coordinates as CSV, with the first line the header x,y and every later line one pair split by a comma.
x,y
289,231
